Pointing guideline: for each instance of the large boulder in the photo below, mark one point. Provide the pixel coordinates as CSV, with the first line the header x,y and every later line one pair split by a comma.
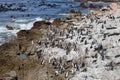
x,y
9,27
41,25
22,33
57,22
82,4
29,34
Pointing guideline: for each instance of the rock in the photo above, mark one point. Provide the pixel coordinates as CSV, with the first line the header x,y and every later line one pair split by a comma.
x,y
9,27
104,78
92,6
74,15
9,60
104,9
113,6
41,25
82,4
29,34
57,21
12,74
22,33
92,13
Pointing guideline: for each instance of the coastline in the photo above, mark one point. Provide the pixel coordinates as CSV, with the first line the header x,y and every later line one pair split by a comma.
x,y
25,40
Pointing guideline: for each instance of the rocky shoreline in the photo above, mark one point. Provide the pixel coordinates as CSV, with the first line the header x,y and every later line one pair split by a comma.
x,y
52,51
10,51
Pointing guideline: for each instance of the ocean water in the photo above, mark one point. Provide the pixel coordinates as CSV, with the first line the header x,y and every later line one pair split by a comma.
x,y
21,14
